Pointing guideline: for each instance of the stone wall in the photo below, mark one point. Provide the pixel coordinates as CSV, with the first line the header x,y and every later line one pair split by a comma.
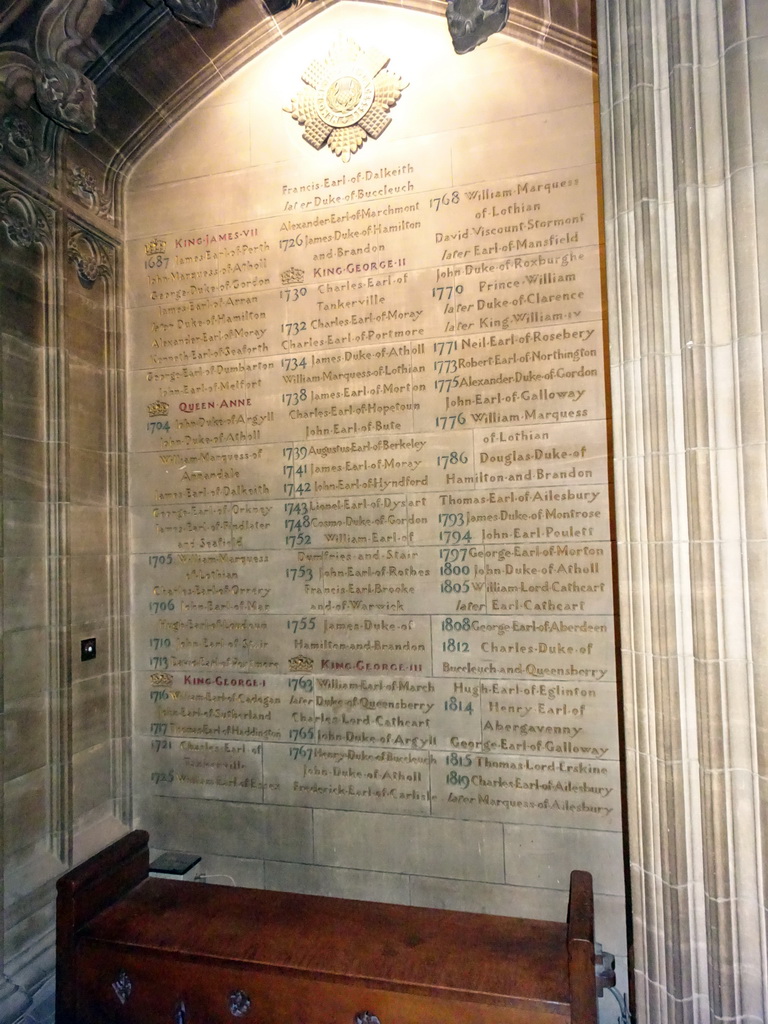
x,y
65,721
684,130
490,194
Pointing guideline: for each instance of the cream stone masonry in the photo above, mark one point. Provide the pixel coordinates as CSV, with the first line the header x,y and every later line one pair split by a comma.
x,y
683,88
684,129
65,724
370,509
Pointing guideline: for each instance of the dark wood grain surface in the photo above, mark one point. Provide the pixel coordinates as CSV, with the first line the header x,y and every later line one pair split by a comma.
x,y
411,946
185,948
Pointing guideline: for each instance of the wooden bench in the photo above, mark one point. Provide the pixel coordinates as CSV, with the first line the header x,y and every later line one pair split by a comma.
x,y
134,949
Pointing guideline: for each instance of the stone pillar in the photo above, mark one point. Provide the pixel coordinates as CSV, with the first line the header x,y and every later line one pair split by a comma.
x,y
685,139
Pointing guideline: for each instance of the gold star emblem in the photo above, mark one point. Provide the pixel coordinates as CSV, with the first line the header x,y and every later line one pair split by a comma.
x,y
347,98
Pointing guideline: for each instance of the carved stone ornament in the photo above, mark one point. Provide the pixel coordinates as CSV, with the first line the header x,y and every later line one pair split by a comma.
x,y
16,140
17,79
66,96
347,98
471,22
82,185
64,31
62,48
90,258
197,12
25,223
23,141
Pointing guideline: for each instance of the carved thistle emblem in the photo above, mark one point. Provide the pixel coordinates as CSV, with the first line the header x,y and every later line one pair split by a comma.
x,y
347,98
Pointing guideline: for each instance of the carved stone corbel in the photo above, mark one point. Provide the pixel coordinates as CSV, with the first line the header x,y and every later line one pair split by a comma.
x,y
66,96
63,46
197,12
471,22
25,222
64,30
91,258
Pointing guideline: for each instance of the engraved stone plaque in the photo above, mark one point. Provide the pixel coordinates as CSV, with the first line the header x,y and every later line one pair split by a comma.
x,y
370,495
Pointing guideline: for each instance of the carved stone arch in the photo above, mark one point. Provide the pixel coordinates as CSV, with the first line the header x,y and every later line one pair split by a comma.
x,y
565,37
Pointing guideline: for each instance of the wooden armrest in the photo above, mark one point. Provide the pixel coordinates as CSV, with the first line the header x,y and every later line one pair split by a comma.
x,y
81,894
581,949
